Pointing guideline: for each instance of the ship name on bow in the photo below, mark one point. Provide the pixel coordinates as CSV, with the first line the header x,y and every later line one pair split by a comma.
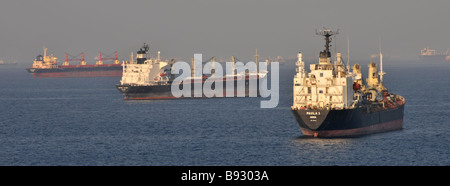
x,y
312,113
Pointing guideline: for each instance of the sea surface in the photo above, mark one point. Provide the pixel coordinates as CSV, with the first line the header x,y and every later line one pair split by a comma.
x,y
85,121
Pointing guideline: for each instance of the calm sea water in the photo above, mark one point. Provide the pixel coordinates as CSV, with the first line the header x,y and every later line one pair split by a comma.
x,y
85,121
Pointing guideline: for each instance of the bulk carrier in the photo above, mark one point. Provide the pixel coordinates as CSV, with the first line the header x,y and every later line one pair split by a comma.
x,y
151,78
332,101
47,66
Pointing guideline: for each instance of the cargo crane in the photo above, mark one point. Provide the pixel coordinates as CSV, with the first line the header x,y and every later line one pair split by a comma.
x,y
100,59
73,58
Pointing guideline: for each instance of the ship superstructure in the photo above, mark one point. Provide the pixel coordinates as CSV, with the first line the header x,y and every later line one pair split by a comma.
x,y
327,85
2,62
46,61
145,71
332,101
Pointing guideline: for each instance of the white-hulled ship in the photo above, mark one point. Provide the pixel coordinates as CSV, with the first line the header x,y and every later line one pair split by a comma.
x,y
151,78
428,54
332,101
2,62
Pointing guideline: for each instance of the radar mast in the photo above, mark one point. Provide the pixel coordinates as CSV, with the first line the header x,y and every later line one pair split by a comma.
x,y
327,33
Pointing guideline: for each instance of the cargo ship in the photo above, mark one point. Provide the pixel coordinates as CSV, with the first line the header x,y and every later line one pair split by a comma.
x,y
46,66
332,101
428,54
151,78
2,62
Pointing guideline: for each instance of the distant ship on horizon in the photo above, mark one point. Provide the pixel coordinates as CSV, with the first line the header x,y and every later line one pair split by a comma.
x,y
2,62
428,54
47,66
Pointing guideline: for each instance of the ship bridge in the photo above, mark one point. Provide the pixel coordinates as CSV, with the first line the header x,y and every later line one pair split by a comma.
x,y
327,86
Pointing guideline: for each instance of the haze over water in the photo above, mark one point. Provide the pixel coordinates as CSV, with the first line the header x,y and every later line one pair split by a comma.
x,y
85,121
220,28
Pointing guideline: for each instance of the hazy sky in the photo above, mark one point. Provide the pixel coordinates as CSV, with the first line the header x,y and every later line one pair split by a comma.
x,y
220,28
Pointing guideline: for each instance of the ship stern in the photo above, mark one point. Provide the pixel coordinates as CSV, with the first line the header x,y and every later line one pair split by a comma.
x,y
311,121
348,122
123,89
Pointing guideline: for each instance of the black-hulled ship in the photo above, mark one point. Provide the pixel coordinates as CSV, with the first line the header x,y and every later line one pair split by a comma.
x,y
151,78
332,101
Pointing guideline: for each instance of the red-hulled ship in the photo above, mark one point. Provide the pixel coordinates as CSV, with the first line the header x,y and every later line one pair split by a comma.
x,y
46,66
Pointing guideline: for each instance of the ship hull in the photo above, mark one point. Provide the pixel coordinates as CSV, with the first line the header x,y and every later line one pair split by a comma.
x,y
109,70
348,122
165,92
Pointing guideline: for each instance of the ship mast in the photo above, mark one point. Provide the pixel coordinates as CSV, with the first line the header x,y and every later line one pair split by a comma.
x,y
233,60
159,56
131,58
256,60
45,52
381,73
348,54
327,33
